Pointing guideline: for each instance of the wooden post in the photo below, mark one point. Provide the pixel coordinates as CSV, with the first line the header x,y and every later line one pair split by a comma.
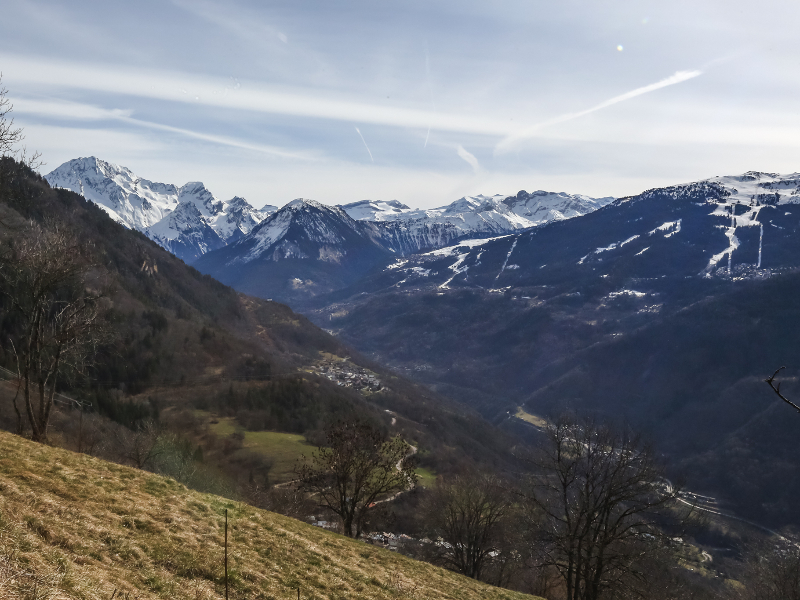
x,y
80,430
226,554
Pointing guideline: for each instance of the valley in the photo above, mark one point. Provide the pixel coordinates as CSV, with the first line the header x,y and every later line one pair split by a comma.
x,y
650,309
623,313
664,310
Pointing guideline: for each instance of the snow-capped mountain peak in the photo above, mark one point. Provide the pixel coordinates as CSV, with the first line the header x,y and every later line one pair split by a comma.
x,y
197,193
146,206
135,202
160,210
375,210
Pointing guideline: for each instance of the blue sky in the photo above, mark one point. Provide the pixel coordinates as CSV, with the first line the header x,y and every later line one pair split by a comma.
x,y
417,101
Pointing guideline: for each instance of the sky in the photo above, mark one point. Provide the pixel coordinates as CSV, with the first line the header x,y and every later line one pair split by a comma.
x,y
422,102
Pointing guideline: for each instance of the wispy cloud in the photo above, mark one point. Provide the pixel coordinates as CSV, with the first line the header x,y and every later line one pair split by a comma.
x,y
88,112
365,144
469,157
430,88
250,96
514,140
244,24
221,140
60,109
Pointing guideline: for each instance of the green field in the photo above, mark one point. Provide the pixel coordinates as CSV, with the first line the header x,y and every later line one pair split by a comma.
x,y
284,449
427,478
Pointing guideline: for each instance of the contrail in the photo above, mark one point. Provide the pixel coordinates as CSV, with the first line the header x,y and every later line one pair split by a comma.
x,y
365,144
430,88
509,142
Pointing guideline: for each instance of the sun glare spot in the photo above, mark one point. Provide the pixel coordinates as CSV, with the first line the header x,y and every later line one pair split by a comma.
x,y
620,48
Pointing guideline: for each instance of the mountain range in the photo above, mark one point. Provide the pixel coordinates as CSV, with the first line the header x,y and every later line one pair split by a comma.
x,y
190,221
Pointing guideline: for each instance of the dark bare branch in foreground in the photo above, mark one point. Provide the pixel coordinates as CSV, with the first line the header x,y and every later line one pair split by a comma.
x,y
777,389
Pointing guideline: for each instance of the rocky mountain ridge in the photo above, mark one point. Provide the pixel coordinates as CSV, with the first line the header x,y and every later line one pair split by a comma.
x,y
190,221
187,220
301,250
407,231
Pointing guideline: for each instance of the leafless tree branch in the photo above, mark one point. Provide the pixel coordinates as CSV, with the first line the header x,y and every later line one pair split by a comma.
x,y
10,136
777,389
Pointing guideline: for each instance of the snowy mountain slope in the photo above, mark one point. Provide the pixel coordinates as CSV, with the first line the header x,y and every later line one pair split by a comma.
x,y
407,231
305,230
147,206
303,249
134,202
737,226
186,233
375,210
238,218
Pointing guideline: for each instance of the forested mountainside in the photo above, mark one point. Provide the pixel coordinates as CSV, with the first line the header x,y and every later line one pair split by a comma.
x,y
184,342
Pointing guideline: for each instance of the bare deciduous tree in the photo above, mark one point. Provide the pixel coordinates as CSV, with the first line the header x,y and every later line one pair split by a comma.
x,y
10,136
357,469
595,494
467,512
138,447
772,573
44,278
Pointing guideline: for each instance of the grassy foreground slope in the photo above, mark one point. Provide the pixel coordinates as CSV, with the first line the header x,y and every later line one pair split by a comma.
x,y
73,526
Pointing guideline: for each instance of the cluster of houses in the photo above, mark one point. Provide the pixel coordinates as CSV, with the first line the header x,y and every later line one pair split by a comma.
x,y
393,541
388,540
348,375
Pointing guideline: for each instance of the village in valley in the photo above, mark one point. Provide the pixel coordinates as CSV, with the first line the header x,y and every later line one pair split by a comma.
x,y
346,374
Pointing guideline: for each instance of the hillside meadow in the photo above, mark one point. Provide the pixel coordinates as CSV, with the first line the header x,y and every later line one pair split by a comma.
x,y
73,526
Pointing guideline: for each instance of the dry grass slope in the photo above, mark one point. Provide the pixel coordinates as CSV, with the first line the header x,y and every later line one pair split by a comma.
x,y
72,526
